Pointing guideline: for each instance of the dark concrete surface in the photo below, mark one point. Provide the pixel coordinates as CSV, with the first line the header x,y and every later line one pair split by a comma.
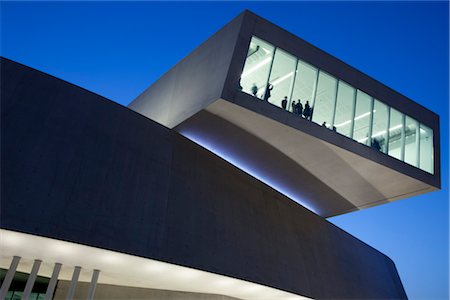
x,y
284,173
78,167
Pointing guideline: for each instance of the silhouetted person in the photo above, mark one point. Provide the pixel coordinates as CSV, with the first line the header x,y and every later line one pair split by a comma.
x,y
334,128
299,108
254,89
376,144
294,107
307,111
267,92
284,102
324,124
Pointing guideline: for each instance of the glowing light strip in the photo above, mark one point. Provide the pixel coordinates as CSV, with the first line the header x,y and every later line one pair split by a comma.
x,y
381,132
265,50
127,270
356,118
281,79
254,68
235,161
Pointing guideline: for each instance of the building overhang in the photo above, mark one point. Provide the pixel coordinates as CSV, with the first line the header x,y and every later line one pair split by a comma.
x,y
203,98
122,182
320,169
123,269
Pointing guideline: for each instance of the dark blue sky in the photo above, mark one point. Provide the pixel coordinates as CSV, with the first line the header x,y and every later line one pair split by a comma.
x,y
117,49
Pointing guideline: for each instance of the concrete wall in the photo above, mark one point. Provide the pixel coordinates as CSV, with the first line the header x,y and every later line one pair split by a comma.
x,y
106,292
193,83
78,167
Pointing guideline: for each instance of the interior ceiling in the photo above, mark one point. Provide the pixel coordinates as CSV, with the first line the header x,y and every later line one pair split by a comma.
x,y
123,269
322,177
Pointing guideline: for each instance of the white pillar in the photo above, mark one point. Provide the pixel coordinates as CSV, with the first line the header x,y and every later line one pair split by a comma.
x,y
73,283
53,281
9,277
93,285
31,279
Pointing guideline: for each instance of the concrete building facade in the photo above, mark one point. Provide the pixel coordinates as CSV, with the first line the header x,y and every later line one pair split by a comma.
x,y
206,187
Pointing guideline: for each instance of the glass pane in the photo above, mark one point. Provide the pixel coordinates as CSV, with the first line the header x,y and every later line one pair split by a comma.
x,y
411,147
305,83
281,78
395,134
325,99
344,109
426,149
380,126
257,67
362,117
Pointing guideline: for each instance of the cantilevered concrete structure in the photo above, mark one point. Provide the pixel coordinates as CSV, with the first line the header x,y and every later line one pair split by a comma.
x,y
327,172
207,187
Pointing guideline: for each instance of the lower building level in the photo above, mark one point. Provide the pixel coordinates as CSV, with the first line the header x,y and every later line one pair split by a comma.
x,y
84,272
102,191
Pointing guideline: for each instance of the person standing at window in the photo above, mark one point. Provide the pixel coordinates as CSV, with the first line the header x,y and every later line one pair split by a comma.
x,y
376,144
294,107
267,92
299,108
284,102
307,111
254,89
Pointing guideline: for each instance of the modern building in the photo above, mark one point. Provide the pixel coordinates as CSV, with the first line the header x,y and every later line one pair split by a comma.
x,y
214,183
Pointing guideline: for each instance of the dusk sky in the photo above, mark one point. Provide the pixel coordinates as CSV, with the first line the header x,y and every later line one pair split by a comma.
x,y
118,49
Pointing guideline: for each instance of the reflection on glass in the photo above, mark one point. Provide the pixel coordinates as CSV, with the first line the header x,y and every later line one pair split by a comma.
x,y
325,99
305,83
362,117
344,109
257,67
380,126
411,142
426,161
395,134
281,78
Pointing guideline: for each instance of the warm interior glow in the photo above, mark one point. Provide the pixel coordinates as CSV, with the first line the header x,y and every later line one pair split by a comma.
x,y
123,269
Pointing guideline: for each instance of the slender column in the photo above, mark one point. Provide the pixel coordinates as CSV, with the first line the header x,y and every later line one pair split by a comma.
x,y
52,283
268,76
402,149
31,279
9,276
417,145
73,283
388,130
289,104
313,100
352,124
93,285
333,116
369,136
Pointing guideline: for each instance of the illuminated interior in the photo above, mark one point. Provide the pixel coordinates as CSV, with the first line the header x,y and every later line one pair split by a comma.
x,y
334,104
123,269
